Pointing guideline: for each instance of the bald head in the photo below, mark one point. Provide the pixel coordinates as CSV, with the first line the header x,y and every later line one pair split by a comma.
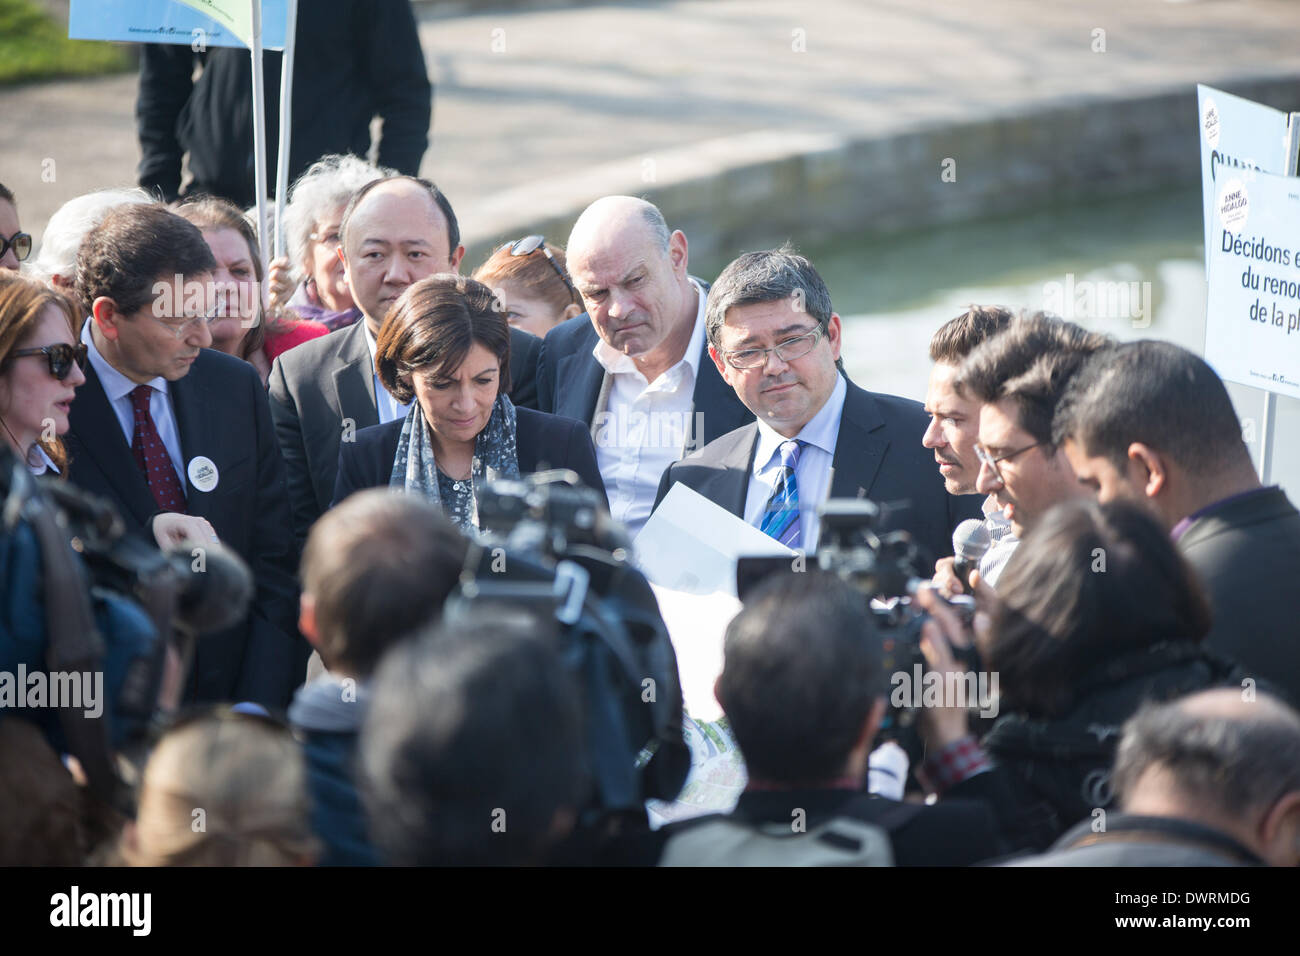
x,y
395,232
631,273
1228,758
615,215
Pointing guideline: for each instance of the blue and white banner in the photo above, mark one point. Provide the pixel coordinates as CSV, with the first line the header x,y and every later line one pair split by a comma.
x,y
172,21
1252,327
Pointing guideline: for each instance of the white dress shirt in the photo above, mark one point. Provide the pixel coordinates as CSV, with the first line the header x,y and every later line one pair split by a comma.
x,y
644,426
39,461
813,473
389,408
118,388
1002,546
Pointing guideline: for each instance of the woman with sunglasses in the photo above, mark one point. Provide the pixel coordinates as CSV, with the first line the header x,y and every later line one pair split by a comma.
x,y
40,368
532,281
444,348
15,245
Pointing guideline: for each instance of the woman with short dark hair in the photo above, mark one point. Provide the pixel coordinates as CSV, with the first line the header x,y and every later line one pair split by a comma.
x,y
1095,614
445,348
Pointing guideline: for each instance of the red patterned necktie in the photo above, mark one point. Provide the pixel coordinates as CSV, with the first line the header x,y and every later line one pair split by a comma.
x,y
151,455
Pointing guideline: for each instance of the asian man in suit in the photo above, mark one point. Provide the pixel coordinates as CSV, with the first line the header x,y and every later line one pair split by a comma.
x,y
395,231
635,366
774,338
166,424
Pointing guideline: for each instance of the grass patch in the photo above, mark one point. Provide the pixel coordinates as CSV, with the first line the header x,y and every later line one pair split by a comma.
x,y
35,46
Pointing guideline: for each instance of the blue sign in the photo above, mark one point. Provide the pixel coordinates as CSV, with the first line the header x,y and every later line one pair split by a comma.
x,y
166,21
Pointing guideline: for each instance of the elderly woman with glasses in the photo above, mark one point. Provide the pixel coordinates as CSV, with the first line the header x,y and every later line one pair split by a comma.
x,y
311,282
532,281
445,348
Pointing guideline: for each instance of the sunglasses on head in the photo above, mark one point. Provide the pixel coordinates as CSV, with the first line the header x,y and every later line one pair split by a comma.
x,y
59,356
530,244
21,243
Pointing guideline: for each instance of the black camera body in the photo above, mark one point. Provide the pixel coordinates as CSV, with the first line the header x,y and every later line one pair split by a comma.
x,y
886,568
549,546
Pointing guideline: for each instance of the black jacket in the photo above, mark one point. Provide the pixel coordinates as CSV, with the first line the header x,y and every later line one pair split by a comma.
x,y
1051,773
221,414
541,441
1247,554
354,60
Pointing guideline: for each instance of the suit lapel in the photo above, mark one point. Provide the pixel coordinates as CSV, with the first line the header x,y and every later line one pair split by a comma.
x,y
729,487
99,437
858,452
580,380
190,397
354,380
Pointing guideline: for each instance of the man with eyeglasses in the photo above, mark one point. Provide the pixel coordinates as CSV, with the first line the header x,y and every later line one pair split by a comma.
x,y
953,432
15,245
1018,377
165,424
633,366
774,338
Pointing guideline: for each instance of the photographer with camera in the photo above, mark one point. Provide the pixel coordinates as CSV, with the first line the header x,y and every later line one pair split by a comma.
x,y
804,688
1095,614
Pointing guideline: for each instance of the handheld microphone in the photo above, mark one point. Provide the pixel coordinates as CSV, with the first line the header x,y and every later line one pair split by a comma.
x,y
970,541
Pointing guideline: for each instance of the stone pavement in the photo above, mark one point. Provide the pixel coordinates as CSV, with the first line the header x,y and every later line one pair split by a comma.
x,y
539,110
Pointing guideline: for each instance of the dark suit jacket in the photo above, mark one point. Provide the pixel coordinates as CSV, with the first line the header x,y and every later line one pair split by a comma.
x,y
541,441
1247,553
325,387
569,380
878,456
221,413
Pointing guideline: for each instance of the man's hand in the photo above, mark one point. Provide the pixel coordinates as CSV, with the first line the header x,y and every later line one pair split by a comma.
x,y
941,726
172,530
946,580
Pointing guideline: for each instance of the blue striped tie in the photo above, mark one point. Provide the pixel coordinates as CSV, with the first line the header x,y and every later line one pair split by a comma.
x,y
781,514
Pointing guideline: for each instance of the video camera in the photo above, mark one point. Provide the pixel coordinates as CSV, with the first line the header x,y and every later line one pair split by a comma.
x,y
884,567
99,601
549,545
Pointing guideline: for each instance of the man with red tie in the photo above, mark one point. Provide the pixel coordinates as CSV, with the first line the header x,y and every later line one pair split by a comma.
x,y
166,424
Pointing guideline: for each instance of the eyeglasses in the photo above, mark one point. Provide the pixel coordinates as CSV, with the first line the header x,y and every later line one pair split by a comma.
x,y
331,238
59,356
20,242
189,322
983,455
787,351
530,244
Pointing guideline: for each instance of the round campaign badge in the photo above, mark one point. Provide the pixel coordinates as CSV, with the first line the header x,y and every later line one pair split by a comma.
x,y
1210,123
1234,205
203,473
